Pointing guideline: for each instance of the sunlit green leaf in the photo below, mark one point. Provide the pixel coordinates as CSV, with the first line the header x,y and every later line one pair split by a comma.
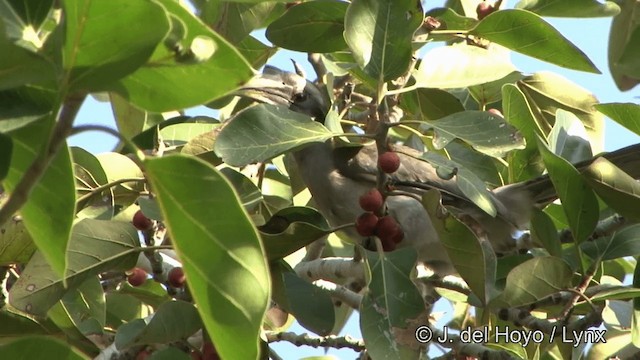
x,y
570,8
527,33
213,235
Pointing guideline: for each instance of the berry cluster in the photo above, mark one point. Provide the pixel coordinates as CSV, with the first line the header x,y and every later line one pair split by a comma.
x,y
368,223
484,9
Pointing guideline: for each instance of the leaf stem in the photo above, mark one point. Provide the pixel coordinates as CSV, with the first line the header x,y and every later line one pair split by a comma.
x,y
106,186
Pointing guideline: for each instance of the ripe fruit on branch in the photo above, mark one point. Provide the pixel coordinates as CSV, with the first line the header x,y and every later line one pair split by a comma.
x,y
141,222
387,229
137,277
389,162
484,9
372,200
366,224
176,277
209,352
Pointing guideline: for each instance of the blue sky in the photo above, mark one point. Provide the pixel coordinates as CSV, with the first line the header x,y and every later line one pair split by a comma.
x,y
590,35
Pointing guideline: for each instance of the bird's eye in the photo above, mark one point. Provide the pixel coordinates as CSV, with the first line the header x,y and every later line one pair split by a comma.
x,y
300,97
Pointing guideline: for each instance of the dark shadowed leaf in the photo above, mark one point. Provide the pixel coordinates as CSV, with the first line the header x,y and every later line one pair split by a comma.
x,y
310,27
527,33
213,235
619,190
429,104
578,200
264,131
95,246
570,8
624,28
379,34
31,347
475,260
173,321
291,229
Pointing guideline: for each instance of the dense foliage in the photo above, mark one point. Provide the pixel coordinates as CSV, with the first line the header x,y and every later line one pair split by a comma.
x,y
226,210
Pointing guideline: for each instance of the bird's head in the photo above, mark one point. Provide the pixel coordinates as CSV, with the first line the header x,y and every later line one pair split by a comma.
x,y
278,87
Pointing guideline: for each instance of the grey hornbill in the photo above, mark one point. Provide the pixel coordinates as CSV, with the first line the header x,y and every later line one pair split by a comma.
x,y
338,176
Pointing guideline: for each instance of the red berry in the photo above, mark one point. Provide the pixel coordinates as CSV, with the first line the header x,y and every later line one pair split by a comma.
x,y
137,277
398,237
495,112
389,162
371,201
209,352
366,224
176,277
483,9
387,228
141,222
142,355
388,245
195,355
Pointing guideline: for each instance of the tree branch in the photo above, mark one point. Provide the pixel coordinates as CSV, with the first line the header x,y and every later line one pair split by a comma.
x,y
337,342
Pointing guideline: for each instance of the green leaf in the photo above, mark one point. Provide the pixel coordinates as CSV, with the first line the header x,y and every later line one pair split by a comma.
x,y
168,83
211,242
312,306
392,306
255,52
468,182
578,200
310,27
236,20
49,209
488,93
86,307
291,229
32,347
379,33
123,308
18,325
625,114
95,246
106,41
635,320
474,260
622,243
624,29
150,292
429,104
181,134
525,163
486,132
570,8
535,279
21,66
568,138
527,33
546,92
460,66
544,232
173,321
16,245
264,131
619,190
131,120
